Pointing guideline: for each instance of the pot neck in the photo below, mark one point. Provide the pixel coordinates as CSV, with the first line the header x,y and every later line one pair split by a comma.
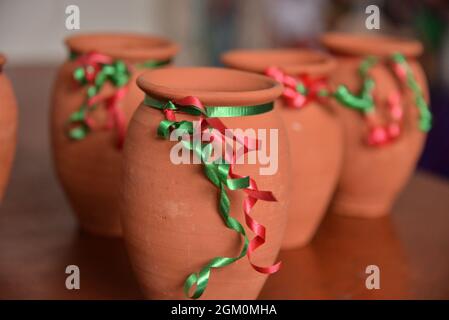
x,y
132,48
193,106
95,57
290,61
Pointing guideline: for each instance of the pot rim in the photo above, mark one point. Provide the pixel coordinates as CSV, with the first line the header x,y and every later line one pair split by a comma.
x,y
129,46
290,60
213,86
368,44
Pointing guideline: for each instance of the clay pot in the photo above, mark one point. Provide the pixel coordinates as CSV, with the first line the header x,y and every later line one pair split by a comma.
x,y
170,218
373,176
8,127
89,169
314,134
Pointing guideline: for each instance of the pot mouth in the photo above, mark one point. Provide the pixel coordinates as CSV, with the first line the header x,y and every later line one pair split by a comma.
x,y
213,86
291,61
129,46
363,44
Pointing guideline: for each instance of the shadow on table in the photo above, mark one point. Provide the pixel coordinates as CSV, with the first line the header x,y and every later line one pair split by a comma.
x,y
105,270
36,268
333,265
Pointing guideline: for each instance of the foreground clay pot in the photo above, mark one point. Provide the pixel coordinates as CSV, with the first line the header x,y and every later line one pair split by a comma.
x,y
8,127
89,169
372,176
314,134
170,212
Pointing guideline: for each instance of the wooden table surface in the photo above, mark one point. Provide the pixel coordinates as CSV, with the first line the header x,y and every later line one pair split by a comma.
x,y
39,236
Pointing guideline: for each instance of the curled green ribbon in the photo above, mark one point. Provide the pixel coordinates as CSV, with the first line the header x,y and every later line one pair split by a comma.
x,y
217,173
363,101
425,120
116,72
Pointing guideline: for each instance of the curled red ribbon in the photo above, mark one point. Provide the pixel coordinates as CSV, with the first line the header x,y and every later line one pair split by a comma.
x,y
380,135
301,90
93,64
252,191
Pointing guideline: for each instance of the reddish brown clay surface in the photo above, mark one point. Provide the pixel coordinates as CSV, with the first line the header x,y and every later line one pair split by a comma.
x,y
171,223
8,128
372,177
89,170
314,134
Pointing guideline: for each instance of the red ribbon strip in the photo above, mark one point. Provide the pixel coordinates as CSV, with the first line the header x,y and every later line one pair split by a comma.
x,y
380,135
293,97
252,191
92,64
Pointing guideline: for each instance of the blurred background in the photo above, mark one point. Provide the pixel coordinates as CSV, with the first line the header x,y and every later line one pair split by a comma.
x,y
32,33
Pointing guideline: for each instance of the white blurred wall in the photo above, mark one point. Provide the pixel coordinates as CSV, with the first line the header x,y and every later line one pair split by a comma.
x,y
32,31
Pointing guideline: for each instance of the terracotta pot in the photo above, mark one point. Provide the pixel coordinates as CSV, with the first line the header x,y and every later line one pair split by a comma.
x,y
373,176
314,134
8,127
170,219
89,169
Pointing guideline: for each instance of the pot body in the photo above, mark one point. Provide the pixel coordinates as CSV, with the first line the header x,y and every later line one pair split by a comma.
x,y
89,169
171,223
372,177
314,133
316,149
8,130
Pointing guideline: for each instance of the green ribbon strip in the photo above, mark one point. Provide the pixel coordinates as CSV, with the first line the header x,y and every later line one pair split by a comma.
x,y
117,73
425,119
150,64
217,172
364,100
79,116
212,111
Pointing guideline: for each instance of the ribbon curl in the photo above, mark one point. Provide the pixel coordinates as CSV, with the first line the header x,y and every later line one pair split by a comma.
x,y
301,90
380,135
405,74
94,70
221,174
